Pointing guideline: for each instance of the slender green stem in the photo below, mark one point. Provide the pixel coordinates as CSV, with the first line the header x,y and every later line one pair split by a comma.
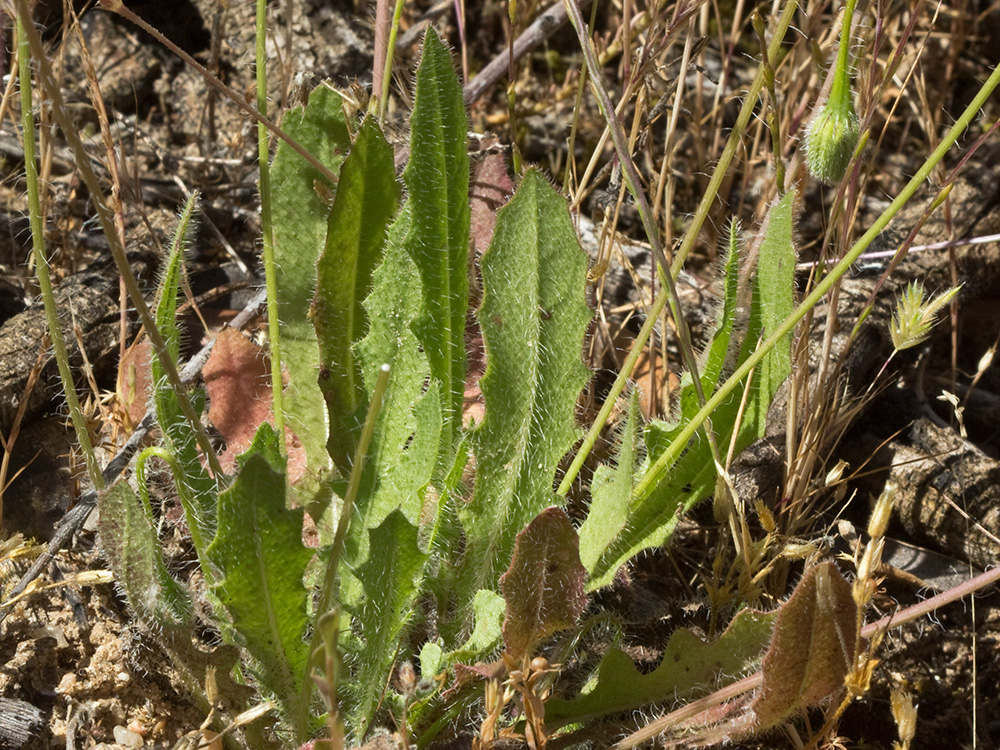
x,y
267,234
659,468
840,88
42,261
390,48
634,182
690,237
184,493
106,219
153,451
329,590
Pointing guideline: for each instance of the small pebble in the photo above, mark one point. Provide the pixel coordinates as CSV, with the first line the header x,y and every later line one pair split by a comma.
x,y
127,737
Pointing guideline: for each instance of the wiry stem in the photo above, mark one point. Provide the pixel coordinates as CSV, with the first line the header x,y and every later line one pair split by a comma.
x,y
41,260
267,234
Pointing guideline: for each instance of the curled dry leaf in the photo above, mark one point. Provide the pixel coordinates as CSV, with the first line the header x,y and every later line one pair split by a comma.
x,y
810,653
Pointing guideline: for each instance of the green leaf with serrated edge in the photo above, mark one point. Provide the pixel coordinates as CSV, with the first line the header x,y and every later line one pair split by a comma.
x,y
407,438
611,490
367,196
437,181
689,666
652,518
129,541
533,317
391,581
300,214
543,587
259,554
197,490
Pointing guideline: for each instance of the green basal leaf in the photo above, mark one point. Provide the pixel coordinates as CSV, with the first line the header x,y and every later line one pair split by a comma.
x,y
533,319
720,349
259,554
653,516
129,541
773,302
300,216
195,488
391,581
437,181
611,490
689,665
407,439
366,201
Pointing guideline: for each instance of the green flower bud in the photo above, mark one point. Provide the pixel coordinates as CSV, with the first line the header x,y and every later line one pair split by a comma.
x,y
831,137
833,132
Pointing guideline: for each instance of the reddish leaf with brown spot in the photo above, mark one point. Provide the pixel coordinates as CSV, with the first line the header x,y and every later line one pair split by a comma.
x,y
237,380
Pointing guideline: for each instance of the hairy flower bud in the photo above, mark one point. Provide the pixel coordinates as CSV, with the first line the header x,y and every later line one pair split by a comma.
x,y
831,137
833,132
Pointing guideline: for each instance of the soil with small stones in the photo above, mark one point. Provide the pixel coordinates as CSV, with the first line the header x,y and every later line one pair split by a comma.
x,y
75,653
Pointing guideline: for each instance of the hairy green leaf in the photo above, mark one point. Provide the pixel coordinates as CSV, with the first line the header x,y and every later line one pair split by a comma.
x,y
132,548
259,554
720,349
689,665
300,217
773,302
488,610
407,439
654,514
195,488
391,581
611,490
367,196
437,180
533,319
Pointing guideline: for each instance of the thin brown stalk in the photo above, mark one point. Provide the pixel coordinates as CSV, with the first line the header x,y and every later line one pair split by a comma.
x,y
105,217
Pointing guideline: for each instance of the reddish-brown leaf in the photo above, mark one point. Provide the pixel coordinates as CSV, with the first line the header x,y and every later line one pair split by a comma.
x,y
543,587
812,646
237,380
489,189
